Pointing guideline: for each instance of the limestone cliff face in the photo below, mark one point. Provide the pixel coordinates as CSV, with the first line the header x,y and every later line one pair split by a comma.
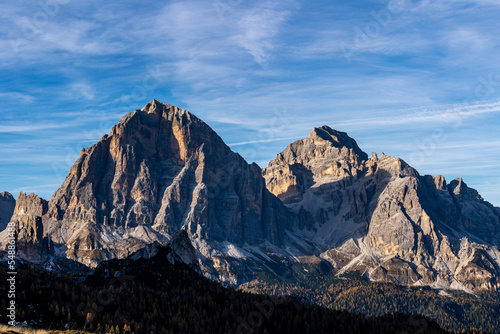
x,y
27,219
380,217
7,205
161,170
29,205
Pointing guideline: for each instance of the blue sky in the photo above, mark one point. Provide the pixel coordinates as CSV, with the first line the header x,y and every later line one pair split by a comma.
x,y
419,79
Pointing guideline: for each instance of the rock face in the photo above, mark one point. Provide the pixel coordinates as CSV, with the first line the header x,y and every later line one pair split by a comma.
x,y
380,217
7,205
159,171
182,250
27,218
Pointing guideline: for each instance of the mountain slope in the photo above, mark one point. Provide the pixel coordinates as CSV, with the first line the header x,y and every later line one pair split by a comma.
x,y
380,217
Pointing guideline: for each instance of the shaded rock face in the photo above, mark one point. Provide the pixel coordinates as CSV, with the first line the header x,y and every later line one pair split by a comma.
x,y
7,205
180,250
161,170
31,244
380,217
183,250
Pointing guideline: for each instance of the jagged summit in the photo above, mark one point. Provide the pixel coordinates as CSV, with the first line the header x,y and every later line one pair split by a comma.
x,y
337,139
7,205
27,218
6,195
155,106
324,153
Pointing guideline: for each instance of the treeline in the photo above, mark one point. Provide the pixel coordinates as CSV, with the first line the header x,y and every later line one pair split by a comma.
x,y
153,296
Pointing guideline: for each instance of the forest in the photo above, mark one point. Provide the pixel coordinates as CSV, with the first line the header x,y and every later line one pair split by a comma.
x,y
453,310
156,296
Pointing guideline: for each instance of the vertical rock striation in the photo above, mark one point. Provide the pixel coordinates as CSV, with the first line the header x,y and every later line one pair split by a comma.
x,y
27,218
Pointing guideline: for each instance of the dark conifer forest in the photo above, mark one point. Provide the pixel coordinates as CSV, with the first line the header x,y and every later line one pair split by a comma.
x,y
155,296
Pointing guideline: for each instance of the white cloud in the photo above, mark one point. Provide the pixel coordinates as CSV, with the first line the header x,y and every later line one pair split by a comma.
x,y
251,66
258,29
260,141
81,90
15,128
451,115
16,97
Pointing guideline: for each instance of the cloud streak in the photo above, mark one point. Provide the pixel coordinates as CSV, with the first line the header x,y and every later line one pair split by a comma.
x,y
261,73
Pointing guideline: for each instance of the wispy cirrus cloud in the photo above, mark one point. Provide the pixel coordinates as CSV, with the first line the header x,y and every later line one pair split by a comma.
x,y
258,29
16,97
261,73
20,128
81,90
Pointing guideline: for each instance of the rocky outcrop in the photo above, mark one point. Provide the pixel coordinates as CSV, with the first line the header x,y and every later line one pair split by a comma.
x,y
161,170
380,217
7,205
183,250
180,250
29,205
31,243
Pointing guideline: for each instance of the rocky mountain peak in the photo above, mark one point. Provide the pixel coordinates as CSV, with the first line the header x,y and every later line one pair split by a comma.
x,y
440,182
7,205
458,186
337,139
6,196
161,170
326,154
162,175
168,111
30,205
156,107
461,191
385,215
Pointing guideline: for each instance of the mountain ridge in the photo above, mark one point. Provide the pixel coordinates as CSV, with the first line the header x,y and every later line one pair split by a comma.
x,y
381,217
161,170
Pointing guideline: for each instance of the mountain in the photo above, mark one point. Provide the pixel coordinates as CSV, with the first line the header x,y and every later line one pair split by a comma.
x,y
162,295
380,217
322,202
7,205
161,170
